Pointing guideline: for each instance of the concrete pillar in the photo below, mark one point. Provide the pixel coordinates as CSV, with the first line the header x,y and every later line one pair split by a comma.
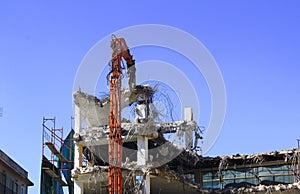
x,y
142,153
142,158
78,186
147,185
188,116
77,154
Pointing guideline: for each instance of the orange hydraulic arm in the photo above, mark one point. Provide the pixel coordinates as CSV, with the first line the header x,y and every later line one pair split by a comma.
x,y
119,51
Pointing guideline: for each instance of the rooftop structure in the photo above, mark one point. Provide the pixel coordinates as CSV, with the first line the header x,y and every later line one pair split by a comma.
x,y
13,178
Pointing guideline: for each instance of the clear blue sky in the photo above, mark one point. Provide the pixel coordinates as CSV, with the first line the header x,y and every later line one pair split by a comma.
x,y
255,43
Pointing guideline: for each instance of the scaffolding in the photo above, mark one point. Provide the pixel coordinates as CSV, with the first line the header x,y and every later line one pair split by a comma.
x,y
56,156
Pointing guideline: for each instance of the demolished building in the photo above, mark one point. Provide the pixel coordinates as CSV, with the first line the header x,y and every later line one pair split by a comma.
x,y
153,163
187,172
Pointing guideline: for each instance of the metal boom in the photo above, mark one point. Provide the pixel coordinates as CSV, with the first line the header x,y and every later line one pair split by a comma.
x,y
119,51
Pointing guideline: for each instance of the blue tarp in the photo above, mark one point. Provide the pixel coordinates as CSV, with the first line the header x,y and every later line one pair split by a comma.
x,y
67,151
48,184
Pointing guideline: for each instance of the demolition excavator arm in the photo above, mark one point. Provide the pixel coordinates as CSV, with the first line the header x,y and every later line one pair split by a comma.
x,y
119,51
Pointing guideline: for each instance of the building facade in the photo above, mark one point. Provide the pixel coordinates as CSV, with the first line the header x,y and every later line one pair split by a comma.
x,y
13,178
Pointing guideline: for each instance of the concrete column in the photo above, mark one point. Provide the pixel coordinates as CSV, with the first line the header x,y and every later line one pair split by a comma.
x,y
142,158
147,185
77,154
78,186
188,116
142,153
